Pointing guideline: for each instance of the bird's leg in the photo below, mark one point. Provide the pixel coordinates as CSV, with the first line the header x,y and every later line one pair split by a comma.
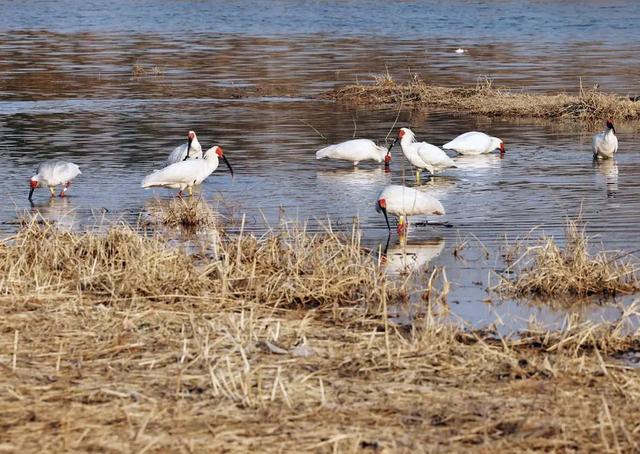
x,y
418,176
355,163
190,190
402,226
52,190
64,189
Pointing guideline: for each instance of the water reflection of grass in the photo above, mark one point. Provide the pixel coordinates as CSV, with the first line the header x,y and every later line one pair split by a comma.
x,y
119,341
485,99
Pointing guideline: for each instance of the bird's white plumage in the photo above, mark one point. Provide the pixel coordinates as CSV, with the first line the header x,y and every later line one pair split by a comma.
x,y
355,150
604,144
53,173
179,153
473,143
404,201
184,174
422,154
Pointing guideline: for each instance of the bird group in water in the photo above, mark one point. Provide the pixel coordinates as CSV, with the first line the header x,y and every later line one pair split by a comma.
x,y
187,166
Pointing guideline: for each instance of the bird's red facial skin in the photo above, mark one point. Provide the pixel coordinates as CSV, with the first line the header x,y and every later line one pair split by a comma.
x,y
501,147
219,152
191,135
33,184
400,134
382,203
387,159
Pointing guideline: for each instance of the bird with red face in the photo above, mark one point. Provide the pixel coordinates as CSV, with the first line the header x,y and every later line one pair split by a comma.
x,y
53,173
403,202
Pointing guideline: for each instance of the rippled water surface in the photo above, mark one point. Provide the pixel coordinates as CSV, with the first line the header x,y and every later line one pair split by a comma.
x,y
244,76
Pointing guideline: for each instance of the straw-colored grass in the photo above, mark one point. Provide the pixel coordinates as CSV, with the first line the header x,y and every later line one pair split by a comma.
x,y
485,99
279,343
185,212
547,269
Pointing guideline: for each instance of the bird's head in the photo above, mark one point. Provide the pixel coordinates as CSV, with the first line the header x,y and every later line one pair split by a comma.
x,y
33,184
501,147
216,150
381,206
610,126
191,135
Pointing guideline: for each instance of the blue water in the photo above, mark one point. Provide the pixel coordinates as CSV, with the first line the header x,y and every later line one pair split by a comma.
x,y
553,22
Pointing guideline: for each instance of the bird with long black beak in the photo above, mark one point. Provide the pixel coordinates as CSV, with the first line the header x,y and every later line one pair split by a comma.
x,y
187,174
191,150
403,202
52,174
605,143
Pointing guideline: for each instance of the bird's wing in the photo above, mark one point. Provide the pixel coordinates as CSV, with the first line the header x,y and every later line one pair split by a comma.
x,y
66,171
177,155
469,141
433,155
180,172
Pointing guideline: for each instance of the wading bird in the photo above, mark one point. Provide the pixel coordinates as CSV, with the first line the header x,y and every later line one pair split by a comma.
x,y
423,155
190,150
404,202
186,174
356,150
475,143
53,173
605,143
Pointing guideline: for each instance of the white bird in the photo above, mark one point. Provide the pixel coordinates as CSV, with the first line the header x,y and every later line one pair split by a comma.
x,y
474,143
356,150
186,174
190,150
403,202
605,143
460,50
53,173
423,155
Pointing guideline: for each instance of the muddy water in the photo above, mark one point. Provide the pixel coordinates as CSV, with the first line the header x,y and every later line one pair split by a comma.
x,y
67,91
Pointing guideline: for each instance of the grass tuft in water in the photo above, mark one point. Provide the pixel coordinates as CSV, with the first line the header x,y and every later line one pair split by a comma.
x,y
485,99
546,269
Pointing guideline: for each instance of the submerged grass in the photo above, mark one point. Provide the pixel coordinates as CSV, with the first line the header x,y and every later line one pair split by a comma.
x,y
485,99
119,341
546,269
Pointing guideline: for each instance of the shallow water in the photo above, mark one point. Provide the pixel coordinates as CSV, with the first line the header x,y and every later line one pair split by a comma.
x,y
245,81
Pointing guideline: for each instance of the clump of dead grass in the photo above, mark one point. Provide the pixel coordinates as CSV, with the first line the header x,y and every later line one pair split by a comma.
x,y
138,70
485,99
547,269
189,212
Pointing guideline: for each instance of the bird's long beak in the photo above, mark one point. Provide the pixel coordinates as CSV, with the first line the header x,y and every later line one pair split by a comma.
x,y
188,148
391,146
386,218
31,192
226,161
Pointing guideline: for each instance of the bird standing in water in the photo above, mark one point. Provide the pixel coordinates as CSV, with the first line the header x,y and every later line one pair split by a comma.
x,y
186,174
190,150
52,174
605,143
403,202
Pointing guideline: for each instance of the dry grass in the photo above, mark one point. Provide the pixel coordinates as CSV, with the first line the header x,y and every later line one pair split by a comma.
x,y
484,99
138,70
189,212
120,342
546,269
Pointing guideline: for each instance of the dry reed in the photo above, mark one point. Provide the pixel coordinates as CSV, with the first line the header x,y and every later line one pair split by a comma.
x,y
485,99
278,343
546,269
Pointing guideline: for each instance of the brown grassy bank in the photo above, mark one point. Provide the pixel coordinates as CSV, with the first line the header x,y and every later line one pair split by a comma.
x,y
484,99
118,342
